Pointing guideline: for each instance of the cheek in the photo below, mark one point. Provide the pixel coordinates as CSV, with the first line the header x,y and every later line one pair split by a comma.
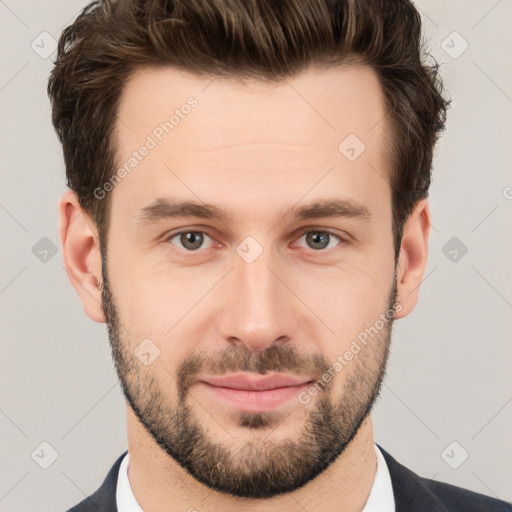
x,y
160,308
352,306
353,293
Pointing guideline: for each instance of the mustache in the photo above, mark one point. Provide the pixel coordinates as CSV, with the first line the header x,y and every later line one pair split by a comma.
x,y
277,358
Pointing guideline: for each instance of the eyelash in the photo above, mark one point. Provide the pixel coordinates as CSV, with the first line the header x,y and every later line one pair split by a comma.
x,y
171,236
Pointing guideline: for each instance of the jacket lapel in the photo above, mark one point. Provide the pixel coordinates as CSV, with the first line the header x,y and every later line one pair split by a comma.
x,y
104,498
411,493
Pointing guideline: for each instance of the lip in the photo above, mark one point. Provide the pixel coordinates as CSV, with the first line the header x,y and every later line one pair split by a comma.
x,y
244,382
255,394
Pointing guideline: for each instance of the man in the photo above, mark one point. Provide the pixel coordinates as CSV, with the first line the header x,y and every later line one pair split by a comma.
x,y
248,214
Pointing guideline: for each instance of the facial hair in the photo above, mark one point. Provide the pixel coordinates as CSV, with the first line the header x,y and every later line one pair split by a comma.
x,y
254,469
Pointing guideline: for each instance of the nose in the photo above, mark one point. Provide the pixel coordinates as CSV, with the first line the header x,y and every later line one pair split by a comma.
x,y
260,309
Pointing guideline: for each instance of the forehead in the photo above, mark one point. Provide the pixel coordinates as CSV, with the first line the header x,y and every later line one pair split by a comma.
x,y
332,101
210,135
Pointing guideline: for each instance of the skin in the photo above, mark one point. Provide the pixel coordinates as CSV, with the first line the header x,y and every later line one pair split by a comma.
x,y
295,309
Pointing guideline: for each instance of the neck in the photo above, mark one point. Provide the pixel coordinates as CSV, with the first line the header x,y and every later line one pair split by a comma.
x,y
159,483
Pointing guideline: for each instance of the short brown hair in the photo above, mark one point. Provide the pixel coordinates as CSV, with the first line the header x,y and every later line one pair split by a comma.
x,y
262,39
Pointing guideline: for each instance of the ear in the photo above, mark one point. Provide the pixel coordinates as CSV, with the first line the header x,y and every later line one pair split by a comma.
x,y
81,252
412,260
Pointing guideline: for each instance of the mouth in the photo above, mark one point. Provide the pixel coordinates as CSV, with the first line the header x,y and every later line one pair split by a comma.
x,y
255,394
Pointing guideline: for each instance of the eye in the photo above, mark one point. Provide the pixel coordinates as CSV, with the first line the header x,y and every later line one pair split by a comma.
x,y
190,240
319,240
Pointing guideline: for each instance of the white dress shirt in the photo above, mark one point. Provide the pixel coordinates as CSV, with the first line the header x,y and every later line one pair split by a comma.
x,y
381,497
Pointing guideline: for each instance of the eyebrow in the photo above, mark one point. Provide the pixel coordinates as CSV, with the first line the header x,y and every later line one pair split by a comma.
x,y
165,208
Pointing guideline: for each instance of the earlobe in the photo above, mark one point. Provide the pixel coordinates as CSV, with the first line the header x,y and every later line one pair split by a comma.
x,y
413,257
81,253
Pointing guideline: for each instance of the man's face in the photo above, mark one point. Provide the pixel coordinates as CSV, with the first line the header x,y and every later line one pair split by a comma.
x,y
261,290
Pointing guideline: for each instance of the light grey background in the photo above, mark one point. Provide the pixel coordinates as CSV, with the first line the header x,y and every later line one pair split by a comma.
x,y
450,374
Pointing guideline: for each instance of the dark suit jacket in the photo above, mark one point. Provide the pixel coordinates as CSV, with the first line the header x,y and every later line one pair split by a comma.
x,y
412,493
